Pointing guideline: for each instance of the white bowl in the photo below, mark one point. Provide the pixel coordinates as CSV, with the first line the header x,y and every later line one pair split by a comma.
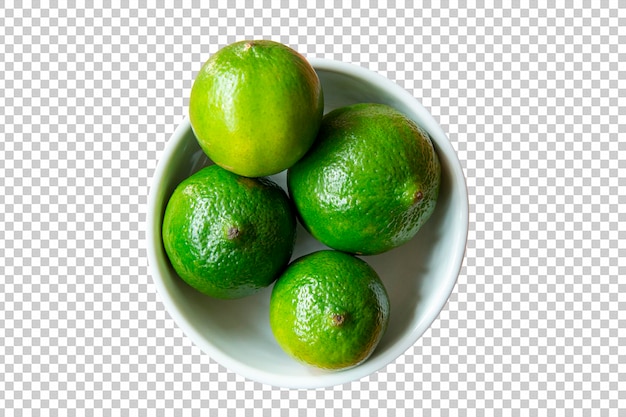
x,y
419,276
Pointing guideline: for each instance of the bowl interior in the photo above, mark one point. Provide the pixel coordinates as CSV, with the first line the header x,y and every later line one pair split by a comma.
x,y
419,275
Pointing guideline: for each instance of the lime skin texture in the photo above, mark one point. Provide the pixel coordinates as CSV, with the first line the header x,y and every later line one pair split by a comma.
x,y
370,181
255,107
226,235
329,310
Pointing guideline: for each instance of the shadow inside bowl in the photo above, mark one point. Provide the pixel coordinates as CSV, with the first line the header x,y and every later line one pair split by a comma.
x,y
410,272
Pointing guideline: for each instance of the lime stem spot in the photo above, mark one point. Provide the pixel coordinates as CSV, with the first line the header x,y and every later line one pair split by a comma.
x,y
338,319
233,233
418,197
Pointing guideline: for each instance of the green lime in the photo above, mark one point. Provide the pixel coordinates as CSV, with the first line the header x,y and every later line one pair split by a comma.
x,y
370,181
228,236
255,107
329,310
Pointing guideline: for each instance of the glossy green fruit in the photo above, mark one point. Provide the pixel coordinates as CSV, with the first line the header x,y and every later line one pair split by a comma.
x,y
370,181
329,310
255,107
228,236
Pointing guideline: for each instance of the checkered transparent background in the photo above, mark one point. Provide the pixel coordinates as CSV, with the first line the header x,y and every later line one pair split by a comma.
x,y
533,100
